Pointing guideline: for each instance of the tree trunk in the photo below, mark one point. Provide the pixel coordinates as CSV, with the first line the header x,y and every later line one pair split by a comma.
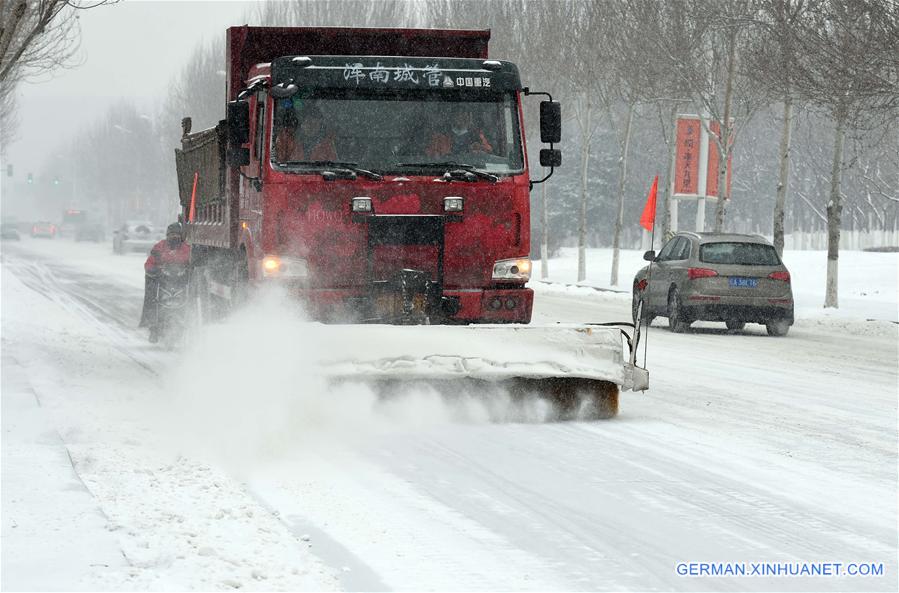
x,y
669,185
582,220
834,212
622,179
544,239
724,146
784,180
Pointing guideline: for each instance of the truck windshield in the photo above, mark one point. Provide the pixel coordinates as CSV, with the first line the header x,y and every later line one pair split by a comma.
x,y
398,131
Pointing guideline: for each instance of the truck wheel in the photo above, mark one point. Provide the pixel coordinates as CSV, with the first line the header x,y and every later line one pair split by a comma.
x,y
778,327
734,325
676,319
241,281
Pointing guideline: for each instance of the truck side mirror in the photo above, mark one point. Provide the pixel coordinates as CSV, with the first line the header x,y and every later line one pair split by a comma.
x,y
284,90
550,157
238,123
550,122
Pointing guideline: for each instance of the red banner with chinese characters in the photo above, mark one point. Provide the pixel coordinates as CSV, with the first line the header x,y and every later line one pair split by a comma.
x,y
712,176
686,171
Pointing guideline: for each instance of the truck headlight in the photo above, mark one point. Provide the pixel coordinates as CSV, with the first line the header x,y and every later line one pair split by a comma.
x,y
512,269
274,266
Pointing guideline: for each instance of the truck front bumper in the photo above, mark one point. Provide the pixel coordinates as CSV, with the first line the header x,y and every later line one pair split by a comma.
x,y
492,305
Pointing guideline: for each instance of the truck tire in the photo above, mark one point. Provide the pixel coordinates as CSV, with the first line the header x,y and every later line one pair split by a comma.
x,y
240,281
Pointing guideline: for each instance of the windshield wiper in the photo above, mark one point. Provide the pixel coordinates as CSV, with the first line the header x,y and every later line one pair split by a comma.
x,y
454,169
346,165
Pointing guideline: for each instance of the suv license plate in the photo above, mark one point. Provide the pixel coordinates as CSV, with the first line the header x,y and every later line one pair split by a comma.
x,y
743,282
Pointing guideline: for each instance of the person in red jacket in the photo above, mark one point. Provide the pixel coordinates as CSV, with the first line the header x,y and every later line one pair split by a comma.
x,y
170,251
461,138
306,141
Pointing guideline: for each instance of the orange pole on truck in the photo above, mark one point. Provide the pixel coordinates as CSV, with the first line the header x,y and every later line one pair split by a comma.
x,y
192,214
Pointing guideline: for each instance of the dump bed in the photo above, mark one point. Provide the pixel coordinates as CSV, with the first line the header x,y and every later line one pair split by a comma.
x,y
200,165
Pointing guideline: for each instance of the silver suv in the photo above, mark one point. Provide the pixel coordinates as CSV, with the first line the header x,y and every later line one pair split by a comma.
x,y
733,278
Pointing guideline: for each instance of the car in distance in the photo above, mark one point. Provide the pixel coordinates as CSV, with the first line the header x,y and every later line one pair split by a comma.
x,y
729,277
43,229
135,235
9,230
90,230
71,220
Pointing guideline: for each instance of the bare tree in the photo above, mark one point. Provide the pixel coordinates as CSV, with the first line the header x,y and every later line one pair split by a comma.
x,y
636,80
313,13
676,35
850,70
36,37
9,121
587,89
772,57
719,86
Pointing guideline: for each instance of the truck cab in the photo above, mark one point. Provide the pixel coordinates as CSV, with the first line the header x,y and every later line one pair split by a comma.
x,y
379,188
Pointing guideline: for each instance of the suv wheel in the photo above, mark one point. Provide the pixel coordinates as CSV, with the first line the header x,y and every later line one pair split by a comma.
x,y
676,320
778,327
734,325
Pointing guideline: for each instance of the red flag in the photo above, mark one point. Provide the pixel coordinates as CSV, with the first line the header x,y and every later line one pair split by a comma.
x,y
192,213
648,218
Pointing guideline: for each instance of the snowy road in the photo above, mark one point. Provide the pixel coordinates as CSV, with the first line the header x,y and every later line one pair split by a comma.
x,y
746,449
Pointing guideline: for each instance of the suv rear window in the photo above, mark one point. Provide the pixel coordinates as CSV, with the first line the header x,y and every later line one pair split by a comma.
x,y
743,254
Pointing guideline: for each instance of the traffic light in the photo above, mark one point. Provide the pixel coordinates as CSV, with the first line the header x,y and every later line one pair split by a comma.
x,y
30,178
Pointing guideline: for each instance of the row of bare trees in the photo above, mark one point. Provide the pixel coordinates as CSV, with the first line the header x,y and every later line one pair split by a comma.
x,y
810,86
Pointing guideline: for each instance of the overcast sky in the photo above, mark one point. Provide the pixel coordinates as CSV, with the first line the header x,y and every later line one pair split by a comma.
x,y
131,50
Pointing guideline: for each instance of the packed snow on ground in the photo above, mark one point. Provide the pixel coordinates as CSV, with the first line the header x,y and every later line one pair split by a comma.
x,y
232,464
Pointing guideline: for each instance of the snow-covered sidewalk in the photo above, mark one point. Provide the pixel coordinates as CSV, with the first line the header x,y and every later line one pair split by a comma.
x,y
54,533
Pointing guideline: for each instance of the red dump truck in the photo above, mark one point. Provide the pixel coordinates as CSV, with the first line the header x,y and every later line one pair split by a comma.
x,y
375,214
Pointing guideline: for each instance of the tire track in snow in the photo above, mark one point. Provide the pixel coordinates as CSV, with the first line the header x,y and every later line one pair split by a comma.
x,y
76,297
